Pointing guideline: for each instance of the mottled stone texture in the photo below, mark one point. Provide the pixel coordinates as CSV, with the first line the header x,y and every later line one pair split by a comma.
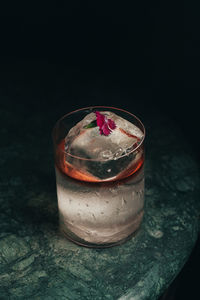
x,y
36,262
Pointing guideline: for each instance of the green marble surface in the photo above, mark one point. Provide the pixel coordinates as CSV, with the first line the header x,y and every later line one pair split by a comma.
x,y
36,262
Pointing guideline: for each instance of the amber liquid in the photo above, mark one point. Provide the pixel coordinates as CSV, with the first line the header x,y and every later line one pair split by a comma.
x,y
73,172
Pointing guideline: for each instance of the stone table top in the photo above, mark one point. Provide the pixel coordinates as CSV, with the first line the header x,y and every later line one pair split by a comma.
x,y
36,262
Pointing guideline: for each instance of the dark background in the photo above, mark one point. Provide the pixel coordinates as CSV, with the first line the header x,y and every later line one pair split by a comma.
x,y
78,54
137,56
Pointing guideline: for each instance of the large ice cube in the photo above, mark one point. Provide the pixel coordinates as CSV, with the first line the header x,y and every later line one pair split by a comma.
x,y
97,151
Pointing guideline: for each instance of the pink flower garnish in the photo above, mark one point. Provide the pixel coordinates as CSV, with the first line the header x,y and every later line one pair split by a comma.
x,y
105,125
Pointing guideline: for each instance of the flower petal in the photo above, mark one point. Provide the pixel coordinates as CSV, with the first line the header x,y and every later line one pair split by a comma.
x,y
100,119
105,125
111,124
106,129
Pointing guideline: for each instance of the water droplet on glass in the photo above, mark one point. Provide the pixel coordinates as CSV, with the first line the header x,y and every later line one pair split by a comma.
x,y
123,201
114,191
134,193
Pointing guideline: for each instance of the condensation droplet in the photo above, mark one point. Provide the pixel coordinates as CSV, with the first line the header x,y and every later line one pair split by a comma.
x,y
123,201
114,191
109,170
118,211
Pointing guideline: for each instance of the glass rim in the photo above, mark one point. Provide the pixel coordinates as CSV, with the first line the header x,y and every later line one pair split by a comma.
x,y
96,107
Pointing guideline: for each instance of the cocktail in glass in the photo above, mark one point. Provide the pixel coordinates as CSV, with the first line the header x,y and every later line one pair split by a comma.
x,y
99,175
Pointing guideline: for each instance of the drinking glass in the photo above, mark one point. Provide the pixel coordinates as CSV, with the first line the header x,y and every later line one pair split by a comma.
x,y
106,209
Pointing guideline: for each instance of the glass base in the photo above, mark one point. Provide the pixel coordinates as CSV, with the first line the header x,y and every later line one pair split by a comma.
x,y
81,242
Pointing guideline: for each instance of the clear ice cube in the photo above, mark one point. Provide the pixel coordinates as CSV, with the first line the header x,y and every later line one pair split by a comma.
x,y
98,152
